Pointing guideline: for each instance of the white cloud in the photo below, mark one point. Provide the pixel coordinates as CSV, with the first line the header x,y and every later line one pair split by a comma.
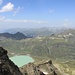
x,y
25,21
51,10
1,1
17,10
10,23
66,20
2,18
67,23
7,8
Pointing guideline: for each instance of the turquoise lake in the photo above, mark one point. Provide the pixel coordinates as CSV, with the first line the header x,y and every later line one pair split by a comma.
x,y
21,60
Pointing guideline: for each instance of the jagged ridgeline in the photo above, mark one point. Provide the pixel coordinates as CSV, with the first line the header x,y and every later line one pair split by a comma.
x,y
7,67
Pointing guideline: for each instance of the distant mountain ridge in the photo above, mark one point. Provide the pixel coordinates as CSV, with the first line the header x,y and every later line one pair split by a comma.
x,y
16,36
34,32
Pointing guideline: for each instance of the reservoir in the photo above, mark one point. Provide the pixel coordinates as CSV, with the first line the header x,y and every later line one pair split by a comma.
x,y
21,60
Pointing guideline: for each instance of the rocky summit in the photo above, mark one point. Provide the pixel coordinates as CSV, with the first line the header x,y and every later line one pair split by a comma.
x,y
7,67
45,68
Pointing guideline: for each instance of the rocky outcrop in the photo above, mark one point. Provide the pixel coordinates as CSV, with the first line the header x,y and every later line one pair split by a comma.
x,y
7,67
30,69
46,68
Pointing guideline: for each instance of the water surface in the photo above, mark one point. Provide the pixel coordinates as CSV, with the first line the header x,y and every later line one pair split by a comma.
x,y
21,60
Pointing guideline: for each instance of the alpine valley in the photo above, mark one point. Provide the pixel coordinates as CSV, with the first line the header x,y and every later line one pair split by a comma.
x,y
52,49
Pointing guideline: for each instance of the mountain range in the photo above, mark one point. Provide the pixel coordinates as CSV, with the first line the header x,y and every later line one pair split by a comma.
x,y
34,32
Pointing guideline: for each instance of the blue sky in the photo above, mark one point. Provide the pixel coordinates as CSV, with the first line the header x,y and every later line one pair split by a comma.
x,y
37,13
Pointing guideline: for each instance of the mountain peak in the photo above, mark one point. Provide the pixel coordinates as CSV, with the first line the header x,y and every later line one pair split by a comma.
x,y
16,36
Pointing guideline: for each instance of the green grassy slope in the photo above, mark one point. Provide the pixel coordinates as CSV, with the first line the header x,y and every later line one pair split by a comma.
x,y
42,46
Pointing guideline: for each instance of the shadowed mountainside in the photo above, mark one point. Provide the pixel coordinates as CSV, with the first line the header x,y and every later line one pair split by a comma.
x,y
16,36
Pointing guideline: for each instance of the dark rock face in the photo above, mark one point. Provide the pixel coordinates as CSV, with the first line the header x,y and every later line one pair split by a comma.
x,y
46,68
19,36
7,67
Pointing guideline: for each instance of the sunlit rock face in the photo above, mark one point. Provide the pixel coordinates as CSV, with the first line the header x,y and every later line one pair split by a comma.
x,y
45,68
7,67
